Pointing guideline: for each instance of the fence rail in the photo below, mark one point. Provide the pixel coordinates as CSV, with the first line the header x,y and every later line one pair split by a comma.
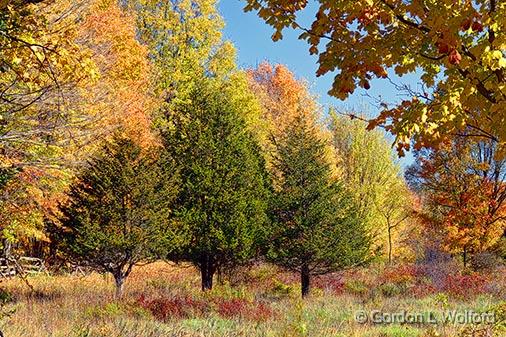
x,y
10,267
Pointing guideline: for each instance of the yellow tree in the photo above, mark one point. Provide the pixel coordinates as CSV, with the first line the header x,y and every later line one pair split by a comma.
x,y
40,61
373,174
458,48
395,208
185,47
185,44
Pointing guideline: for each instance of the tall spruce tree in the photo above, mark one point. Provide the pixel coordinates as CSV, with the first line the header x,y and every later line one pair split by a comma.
x,y
119,210
317,229
224,189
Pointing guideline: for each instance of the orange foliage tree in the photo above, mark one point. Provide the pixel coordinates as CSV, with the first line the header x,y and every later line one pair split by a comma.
x,y
84,74
284,98
464,194
282,95
121,97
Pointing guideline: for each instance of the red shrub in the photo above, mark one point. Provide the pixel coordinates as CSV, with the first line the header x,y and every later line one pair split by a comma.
x,y
431,279
261,312
232,307
164,309
402,274
167,308
422,289
333,283
465,286
241,308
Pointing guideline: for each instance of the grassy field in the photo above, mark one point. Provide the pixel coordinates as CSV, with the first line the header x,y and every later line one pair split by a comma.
x,y
164,300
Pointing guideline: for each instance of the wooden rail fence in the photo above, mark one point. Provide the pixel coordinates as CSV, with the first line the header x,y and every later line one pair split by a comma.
x,y
25,265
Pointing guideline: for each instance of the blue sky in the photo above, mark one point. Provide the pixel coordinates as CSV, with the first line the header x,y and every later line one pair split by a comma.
x,y
252,38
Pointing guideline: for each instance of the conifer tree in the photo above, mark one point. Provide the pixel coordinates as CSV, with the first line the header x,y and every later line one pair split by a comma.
x,y
224,190
118,213
317,228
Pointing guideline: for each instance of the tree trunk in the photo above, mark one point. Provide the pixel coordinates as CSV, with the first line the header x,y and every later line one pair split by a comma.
x,y
305,280
220,277
464,257
119,279
207,270
389,244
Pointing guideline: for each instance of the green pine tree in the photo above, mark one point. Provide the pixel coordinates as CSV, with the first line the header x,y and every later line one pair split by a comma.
x,y
224,190
317,229
119,210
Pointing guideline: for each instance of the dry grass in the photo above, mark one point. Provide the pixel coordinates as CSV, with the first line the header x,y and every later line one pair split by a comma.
x,y
78,306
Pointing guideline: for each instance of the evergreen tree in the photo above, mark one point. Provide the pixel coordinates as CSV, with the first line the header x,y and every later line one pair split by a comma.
x,y
317,228
224,191
118,212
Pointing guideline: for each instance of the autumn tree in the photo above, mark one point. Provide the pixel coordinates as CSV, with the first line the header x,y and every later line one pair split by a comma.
x,y
52,98
395,209
317,228
464,193
457,47
121,98
73,74
41,62
119,210
282,97
224,191
185,44
186,49
38,66
370,170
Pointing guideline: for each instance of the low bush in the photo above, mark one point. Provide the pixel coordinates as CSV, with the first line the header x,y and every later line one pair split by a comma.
x,y
391,289
465,286
356,287
401,275
281,289
332,283
6,297
165,309
253,311
422,288
104,311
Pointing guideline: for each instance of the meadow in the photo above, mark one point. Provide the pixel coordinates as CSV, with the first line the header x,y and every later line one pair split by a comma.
x,y
165,300
135,130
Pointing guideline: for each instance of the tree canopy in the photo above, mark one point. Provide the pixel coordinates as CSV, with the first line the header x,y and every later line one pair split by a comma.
x,y
185,43
370,170
457,48
464,193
